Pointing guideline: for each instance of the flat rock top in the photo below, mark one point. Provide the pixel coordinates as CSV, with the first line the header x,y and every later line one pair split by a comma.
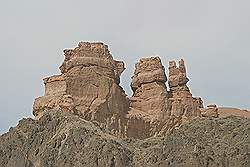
x,y
88,49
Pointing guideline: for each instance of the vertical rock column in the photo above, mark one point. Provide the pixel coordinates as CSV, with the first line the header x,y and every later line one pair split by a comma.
x,y
149,96
180,105
92,77
180,102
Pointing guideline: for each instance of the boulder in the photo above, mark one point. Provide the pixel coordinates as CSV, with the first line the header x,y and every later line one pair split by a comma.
x,y
211,111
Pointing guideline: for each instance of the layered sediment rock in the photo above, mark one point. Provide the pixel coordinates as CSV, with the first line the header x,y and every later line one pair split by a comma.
x,y
88,86
155,110
55,97
149,98
180,101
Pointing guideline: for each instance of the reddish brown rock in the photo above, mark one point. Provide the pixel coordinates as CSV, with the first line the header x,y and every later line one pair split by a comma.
x,y
148,84
181,103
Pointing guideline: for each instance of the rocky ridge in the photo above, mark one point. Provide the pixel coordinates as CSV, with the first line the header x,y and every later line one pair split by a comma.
x,y
62,139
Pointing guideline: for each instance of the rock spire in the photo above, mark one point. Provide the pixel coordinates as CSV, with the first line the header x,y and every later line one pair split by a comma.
x,y
88,86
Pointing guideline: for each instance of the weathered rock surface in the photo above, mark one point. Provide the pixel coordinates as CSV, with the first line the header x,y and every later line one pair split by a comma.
x,y
149,98
86,119
61,139
181,103
154,110
55,97
181,106
88,87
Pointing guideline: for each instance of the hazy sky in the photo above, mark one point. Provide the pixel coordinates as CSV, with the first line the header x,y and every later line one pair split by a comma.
x,y
213,36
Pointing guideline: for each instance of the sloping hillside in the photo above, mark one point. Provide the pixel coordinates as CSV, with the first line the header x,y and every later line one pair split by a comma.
x,y
61,139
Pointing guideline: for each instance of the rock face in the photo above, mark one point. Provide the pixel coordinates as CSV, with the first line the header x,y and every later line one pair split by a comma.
x,y
61,139
181,102
148,85
181,106
154,110
148,102
55,96
88,86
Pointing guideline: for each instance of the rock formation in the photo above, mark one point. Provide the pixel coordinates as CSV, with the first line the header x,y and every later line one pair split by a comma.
x,y
86,119
55,96
181,105
181,102
149,98
154,110
89,87
211,111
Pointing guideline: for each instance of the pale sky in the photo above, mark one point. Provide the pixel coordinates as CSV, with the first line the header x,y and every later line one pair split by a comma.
x,y
213,36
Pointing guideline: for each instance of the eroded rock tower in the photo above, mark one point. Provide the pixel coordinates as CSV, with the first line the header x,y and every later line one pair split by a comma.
x,y
88,86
